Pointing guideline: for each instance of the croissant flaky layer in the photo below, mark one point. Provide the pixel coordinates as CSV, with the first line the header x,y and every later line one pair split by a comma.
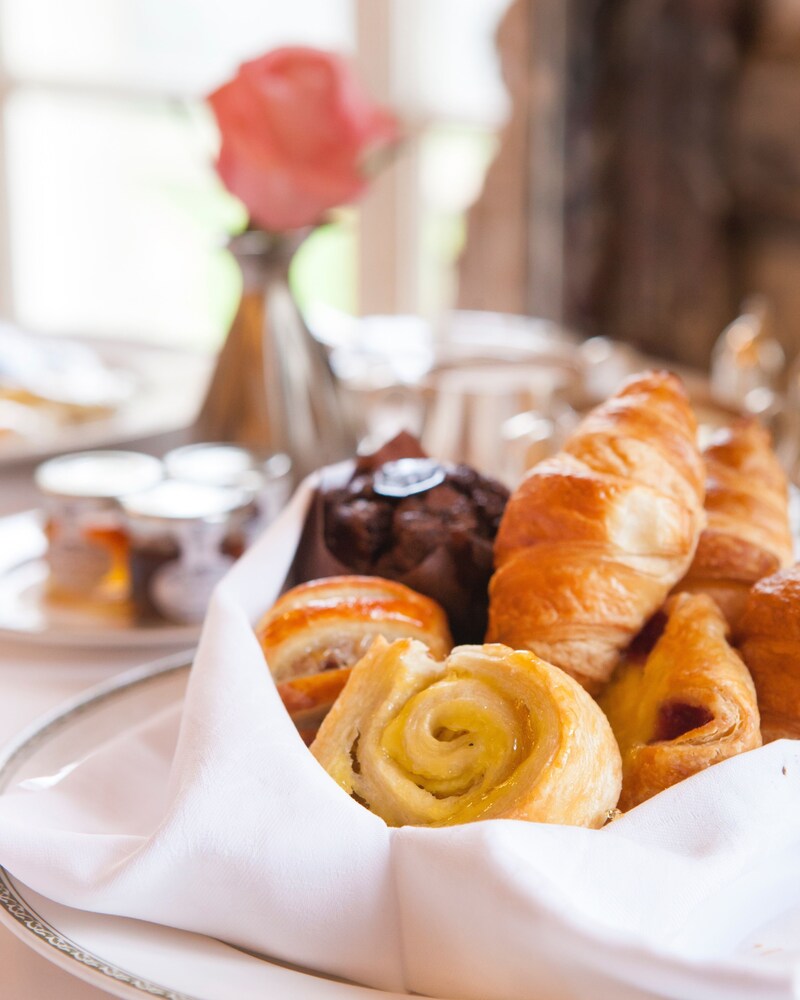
x,y
594,538
329,624
748,535
690,705
769,639
489,732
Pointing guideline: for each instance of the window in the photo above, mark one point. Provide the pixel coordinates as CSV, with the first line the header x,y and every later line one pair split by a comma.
x,y
110,214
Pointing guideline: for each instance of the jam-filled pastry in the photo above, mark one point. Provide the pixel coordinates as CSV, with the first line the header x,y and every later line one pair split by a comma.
x,y
747,502
594,538
329,624
489,732
769,640
689,705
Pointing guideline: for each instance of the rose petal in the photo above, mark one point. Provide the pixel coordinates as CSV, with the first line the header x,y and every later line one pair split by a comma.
x,y
296,130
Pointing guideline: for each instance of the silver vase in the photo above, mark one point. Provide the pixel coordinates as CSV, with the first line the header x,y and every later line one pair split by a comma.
x,y
272,388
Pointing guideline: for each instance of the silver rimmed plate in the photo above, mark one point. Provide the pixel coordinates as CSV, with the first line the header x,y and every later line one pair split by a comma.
x,y
26,614
130,958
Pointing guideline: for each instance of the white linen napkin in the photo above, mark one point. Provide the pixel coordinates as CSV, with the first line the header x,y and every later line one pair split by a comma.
x,y
229,827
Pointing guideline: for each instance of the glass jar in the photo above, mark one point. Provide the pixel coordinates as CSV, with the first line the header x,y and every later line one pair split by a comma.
x,y
268,481
747,362
179,546
87,546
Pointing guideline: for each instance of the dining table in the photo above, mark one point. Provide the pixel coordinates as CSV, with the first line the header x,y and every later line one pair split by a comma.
x,y
35,679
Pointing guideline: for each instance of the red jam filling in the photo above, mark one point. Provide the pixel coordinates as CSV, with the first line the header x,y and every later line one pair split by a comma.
x,y
676,718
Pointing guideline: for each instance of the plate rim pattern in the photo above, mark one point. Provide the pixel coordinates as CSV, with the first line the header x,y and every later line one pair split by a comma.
x,y
11,901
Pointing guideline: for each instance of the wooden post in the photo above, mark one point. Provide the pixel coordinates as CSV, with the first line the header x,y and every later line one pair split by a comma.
x,y
388,215
494,267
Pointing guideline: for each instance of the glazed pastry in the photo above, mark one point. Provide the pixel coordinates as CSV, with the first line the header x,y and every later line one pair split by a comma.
x,y
769,640
490,732
329,624
747,536
689,705
595,537
309,699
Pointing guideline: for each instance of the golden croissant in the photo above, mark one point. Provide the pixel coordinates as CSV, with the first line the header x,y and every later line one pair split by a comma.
x,y
769,640
691,704
747,536
595,537
489,732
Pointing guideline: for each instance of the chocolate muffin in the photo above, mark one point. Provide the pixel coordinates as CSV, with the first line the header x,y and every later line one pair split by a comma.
x,y
408,518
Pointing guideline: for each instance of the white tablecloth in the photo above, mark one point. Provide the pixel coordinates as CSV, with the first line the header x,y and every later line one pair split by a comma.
x,y
34,680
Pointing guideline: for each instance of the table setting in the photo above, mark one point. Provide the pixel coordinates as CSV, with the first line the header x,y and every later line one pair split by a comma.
x,y
213,786
394,656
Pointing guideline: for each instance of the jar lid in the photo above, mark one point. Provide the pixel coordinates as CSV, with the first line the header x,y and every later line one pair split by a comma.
x,y
215,464
176,500
98,474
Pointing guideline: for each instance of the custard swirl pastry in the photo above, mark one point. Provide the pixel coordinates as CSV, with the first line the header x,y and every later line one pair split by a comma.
x,y
490,732
691,705
594,538
769,640
748,535
329,624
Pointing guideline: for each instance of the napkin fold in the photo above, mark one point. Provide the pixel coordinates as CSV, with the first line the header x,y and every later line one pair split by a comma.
x,y
213,817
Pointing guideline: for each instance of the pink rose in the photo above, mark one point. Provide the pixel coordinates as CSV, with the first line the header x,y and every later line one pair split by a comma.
x,y
296,130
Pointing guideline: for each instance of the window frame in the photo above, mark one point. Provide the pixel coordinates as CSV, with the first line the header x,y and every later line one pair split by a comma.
x,y
389,216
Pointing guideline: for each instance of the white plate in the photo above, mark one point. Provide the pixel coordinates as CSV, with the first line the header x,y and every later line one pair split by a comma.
x,y
26,615
130,958
169,387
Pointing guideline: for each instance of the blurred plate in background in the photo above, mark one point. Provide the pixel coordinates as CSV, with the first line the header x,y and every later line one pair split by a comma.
x,y
90,393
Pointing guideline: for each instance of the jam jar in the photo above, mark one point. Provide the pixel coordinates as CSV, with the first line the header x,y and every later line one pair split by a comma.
x,y
178,546
268,480
87,545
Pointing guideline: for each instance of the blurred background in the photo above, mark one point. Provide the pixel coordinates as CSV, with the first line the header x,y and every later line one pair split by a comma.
x,y
111,216
648,179
620,178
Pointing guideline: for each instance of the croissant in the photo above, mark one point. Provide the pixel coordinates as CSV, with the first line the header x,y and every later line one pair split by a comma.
x,y
594,538
329,624
769,641
747,536
489,732
690,705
